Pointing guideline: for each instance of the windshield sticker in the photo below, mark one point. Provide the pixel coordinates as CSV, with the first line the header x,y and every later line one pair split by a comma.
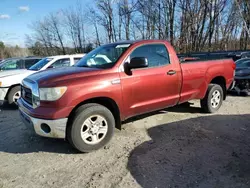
x,y
122,46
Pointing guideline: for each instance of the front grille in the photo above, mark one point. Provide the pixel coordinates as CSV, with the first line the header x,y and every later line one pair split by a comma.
x,y
26,94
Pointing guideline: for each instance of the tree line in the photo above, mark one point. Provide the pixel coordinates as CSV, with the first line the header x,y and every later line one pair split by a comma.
x,y
190,25
12,51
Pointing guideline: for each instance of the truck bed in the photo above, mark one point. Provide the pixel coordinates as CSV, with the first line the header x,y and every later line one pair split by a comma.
x,y
196,73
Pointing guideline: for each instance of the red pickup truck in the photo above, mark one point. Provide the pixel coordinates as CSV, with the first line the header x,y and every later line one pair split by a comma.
x,y
86,102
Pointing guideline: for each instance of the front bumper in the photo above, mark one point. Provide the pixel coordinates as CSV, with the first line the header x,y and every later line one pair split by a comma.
x,y
46,128
3,93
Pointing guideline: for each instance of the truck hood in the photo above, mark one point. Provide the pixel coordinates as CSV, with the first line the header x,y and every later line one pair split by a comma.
x,y
59,74
14,72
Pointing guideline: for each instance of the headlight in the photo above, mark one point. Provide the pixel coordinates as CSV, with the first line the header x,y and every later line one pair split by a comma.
x,y
0,84
51,94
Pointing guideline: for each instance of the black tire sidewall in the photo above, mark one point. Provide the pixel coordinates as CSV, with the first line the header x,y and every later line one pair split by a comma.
x,y
75,135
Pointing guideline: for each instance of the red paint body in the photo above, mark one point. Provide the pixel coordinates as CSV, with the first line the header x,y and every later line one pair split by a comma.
x,y
147,89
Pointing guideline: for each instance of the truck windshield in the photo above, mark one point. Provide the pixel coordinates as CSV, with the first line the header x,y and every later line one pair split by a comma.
x,y
103,57
40,64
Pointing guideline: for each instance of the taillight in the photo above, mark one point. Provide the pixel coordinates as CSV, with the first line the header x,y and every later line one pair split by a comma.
x,y
234,66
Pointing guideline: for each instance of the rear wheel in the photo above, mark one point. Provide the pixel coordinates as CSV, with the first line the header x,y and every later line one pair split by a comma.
x,y
213,99
14,95
92,127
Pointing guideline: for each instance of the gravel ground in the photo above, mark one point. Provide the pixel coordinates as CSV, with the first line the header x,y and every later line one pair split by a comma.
x,y
179,147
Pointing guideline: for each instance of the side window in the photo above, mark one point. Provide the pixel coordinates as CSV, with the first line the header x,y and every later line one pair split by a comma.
x,y
61,63
76,59
156,54
13,64
29,62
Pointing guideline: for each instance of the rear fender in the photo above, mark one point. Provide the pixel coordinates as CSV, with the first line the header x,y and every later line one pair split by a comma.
x,y
212,73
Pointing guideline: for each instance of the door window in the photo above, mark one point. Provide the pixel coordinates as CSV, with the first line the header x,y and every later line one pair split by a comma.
x,y
29,62
12,64
61,63
76,59
156,54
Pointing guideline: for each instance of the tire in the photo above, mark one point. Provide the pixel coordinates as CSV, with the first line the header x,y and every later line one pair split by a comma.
x,y
210,104
12,95
79,125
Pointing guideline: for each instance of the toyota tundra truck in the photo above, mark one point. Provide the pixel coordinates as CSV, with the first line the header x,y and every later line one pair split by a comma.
x,y
83,104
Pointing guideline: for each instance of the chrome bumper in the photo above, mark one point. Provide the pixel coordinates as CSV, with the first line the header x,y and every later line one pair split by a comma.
x,y
45,128
3,92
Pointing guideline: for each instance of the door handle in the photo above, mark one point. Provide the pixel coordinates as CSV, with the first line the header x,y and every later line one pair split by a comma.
x,y
171,72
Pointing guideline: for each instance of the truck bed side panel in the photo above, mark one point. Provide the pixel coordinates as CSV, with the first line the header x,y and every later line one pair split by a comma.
x,y
197,76
194,81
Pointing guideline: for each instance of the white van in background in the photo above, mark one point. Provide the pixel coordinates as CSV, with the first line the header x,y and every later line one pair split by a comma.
x,y
10,80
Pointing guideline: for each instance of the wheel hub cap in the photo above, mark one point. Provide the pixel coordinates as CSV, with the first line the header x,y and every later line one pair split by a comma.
x,y
94,129
16,96
215,100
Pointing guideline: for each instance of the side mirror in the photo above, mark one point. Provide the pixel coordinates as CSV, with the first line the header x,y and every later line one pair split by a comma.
x,y
138,62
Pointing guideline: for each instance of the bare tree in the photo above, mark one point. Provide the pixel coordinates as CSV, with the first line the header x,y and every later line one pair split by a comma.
x,y
189,25
125,13
93,19
49,32
74,22
244,10
106,18
55,28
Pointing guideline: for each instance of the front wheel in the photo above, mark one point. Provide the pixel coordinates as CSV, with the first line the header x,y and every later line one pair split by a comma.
x,y
213,99
14,95
92,127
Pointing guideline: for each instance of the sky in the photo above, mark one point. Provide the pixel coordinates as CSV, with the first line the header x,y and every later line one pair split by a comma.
x,y
16,15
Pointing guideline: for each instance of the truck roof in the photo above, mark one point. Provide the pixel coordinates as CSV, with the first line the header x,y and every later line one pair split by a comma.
x,y
68,55
32,57
27,57
137,41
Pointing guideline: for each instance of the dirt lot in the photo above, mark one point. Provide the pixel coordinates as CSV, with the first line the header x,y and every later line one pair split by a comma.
x,y
180,147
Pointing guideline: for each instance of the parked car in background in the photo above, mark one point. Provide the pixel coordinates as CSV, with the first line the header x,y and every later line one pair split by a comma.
x,y
242,55
84,103
235,55
18,63
10,80
241,82
242,61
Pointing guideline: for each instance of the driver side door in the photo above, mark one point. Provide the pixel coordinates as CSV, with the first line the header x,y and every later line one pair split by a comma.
x,y
151,88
